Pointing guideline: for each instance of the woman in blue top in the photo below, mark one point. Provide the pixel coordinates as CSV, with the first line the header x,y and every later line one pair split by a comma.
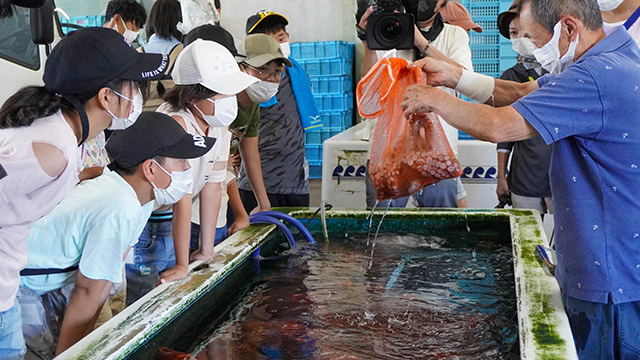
x,y
162,29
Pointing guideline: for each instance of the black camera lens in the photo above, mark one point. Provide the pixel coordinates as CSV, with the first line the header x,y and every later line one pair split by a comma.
x,y
391,30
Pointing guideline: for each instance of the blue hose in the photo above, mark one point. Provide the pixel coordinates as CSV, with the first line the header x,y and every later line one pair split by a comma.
x,y
258,219
292,220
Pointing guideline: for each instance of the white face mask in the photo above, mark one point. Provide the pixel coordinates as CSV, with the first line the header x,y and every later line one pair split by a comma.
x,y
523,46
180,184
129,35
286,49
549,54
226,111
608,5
118,123
262,91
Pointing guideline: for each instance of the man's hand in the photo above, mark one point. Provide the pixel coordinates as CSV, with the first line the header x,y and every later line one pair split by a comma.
x,y
419,99
365,18
439,73
178,272
503,187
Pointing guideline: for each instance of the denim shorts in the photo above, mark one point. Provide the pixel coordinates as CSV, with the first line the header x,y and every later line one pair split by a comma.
x,y
152,254
11,340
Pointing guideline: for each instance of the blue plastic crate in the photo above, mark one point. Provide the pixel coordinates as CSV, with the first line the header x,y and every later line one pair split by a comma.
x,y
324,49
485,38
327,67
328,132
490,52
334,102
485,52
313,137
490,67
483,8
313,152
315,169
343,119
338,84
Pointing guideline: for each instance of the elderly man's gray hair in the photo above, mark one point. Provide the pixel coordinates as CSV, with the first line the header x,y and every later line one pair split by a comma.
x,y
548,12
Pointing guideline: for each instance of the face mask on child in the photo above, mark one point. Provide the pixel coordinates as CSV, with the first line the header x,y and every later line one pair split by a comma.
x,y
286,49
262,91
225,112
180,184
120,123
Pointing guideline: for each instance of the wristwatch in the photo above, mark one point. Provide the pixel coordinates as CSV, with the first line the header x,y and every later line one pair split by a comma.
x,y
362,33
423,53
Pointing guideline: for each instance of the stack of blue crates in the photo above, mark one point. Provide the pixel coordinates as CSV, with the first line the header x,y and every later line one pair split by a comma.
x,y
329,65
491,53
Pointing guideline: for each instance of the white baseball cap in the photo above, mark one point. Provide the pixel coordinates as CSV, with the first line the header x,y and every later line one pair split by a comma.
x,y
211,65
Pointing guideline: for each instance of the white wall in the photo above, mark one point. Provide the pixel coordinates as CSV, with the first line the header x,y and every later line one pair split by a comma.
x,y
309,20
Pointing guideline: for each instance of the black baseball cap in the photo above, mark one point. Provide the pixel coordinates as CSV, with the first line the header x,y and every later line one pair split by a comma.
x,y
154,134
212,33
264,17
505,18
88,59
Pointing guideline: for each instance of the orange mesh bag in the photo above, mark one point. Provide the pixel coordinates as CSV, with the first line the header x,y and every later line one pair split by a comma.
x,y
406,155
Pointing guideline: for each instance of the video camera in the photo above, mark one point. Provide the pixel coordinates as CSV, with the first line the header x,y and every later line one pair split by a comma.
x,y
389,27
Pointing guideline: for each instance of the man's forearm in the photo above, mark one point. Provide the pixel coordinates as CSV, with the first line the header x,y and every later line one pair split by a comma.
x,y
507,92
481,121
503,160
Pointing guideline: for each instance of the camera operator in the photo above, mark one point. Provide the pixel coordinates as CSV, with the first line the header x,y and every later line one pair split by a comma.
x,y
432,38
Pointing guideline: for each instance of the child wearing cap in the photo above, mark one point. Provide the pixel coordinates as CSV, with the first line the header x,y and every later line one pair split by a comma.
x,y
230,199
265,61
203,102
76,251
87,77
283,121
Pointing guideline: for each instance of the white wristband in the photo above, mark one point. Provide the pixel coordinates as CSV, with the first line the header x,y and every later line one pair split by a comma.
x,y
476,86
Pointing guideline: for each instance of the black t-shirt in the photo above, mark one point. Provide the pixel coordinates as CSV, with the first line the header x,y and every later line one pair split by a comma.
x,y
529,171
